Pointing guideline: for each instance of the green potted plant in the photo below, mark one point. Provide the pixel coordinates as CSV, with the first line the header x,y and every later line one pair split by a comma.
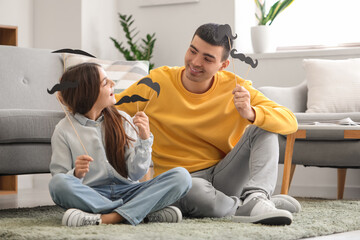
x,y
261,34
136,51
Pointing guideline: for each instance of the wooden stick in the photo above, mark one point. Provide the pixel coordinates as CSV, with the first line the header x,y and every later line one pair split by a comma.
x,y
149,101
232,60
67,116
247,72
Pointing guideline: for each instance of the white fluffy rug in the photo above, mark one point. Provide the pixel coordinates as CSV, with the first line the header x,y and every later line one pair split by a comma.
x,y
318,217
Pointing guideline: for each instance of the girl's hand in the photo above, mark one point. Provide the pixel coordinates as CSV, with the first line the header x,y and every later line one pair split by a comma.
x,y
142,122
82,164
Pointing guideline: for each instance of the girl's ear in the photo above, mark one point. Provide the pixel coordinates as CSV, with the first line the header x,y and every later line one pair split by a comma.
x,y
58,95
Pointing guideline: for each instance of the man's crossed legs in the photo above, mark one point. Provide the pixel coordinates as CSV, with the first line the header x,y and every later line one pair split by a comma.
x,y
241,184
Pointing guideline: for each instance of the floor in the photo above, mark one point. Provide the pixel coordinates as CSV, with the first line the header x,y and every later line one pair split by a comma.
x,y
41,197
26,198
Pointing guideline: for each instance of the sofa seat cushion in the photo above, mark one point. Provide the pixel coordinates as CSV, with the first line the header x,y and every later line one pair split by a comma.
x,y
323,153
28,126
24,158
309,118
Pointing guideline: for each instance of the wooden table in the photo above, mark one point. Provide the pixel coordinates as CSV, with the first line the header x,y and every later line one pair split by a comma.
x,y
342,131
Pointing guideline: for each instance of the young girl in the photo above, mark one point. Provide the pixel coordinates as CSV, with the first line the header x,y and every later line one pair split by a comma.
x,y
96,178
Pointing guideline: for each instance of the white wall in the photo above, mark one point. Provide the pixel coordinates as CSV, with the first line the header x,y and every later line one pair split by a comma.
x,y
285,68
175,25
77,24
99,22
57,24
19,13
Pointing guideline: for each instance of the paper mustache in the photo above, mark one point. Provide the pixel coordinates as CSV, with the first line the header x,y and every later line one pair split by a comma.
x,y
133,98
243,58
74,51
153,85
62,86
224,30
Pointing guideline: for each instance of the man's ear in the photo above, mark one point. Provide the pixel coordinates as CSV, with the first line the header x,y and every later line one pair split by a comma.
x,y
224,64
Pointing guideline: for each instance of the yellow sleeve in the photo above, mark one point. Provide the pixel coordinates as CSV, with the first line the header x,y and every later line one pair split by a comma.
x,y
271,116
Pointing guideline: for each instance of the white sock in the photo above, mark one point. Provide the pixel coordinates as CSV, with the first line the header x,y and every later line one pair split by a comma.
x,y
252,195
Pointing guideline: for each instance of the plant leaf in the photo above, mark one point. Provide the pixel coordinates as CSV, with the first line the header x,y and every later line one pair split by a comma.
x,y
281,8
135,52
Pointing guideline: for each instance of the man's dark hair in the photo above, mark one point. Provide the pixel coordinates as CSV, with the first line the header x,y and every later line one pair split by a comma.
x,y
208,31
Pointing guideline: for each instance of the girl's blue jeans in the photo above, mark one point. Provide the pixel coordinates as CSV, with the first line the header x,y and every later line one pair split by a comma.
x,y
133,201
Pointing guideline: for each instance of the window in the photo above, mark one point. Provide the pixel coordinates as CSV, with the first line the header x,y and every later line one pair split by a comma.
x,y
318,24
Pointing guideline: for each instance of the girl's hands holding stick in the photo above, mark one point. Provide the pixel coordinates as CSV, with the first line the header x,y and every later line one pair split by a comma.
x,y
142,122
82,164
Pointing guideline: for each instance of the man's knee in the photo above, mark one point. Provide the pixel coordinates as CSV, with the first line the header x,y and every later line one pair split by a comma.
x,y
254,132
201,200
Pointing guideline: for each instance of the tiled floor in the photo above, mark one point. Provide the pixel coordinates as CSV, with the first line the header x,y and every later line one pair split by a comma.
x,y
41,197
26,198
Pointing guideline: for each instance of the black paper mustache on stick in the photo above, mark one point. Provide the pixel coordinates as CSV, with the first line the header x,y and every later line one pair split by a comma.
x,y
74,51
243,58
133,98
62,86
224,30
153,85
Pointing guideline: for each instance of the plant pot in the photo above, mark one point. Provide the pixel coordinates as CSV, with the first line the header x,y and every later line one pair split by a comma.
x,y
262,39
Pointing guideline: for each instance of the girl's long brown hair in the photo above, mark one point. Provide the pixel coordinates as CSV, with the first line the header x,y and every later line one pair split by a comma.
x,y
83,97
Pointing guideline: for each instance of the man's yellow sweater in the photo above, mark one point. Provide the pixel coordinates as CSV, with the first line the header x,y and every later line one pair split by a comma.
x,y
196,131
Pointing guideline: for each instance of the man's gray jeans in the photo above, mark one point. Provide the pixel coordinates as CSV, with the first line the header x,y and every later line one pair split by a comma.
x,y
251,166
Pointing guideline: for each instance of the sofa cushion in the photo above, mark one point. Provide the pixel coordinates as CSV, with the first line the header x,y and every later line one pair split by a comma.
x,y
323,153
25,74
333,85
123,73
294,98
309,118
24,158
28,126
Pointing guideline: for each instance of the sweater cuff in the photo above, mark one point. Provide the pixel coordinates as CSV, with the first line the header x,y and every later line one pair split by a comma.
x,y
259,116
147,143
72,173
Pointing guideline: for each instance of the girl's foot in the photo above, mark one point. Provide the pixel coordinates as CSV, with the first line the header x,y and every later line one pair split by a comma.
x,y
77,218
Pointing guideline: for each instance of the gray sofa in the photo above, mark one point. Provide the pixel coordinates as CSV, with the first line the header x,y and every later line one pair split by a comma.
x,y
28,114
321,151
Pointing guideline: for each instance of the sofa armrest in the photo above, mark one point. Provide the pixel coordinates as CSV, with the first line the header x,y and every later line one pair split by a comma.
x,y
294,98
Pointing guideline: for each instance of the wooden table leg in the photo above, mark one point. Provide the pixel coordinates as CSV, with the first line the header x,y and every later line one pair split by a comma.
x,y
290,140
341,172
292,171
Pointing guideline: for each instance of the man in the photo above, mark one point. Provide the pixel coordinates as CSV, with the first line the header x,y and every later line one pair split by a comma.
x,y
221,129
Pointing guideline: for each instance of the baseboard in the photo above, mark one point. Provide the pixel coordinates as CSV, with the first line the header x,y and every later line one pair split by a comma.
x,y
41,181
328,192
25,182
